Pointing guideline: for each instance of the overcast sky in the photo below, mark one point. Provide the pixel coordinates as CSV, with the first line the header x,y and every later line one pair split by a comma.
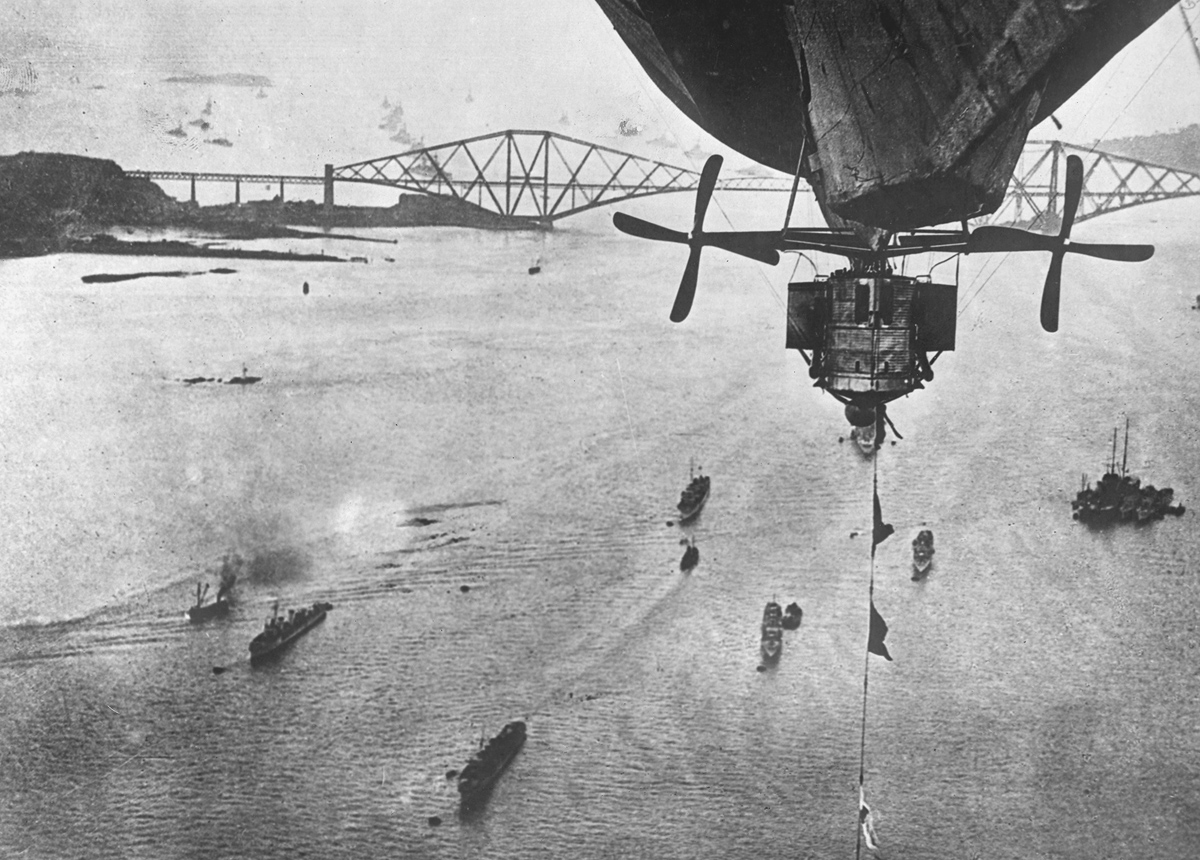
x,y
454,69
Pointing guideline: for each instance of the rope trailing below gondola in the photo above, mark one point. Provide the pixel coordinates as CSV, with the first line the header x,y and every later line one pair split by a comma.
x,y
877,632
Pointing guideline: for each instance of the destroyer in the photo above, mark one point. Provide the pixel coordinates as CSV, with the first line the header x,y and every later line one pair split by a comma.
x,y
772,633
922,553
477,778
692,500
279,632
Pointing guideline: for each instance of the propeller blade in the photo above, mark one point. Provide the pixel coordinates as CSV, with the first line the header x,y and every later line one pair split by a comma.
x,y
931,243
1051,292
1120,253
757,245
646,230
985,240
1073,193
687,287
708,181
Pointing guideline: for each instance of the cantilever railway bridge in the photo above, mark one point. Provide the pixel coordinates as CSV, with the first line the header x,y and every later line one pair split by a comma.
x,y
543,176
1110,183
540,176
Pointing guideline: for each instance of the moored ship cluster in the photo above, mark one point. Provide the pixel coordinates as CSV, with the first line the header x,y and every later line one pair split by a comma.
x,y
1121,497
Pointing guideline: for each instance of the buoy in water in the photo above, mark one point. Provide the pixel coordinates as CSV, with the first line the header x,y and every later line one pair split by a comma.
x,y
306,288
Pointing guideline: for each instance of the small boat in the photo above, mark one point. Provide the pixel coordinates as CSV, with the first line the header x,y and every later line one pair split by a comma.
x,y
772,633
692,500
792,616
691,558
279,632
922,553
244,379
865,438
220,606
477,778
202,611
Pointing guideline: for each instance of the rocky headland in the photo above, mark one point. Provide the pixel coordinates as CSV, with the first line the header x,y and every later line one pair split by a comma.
x,y
54,202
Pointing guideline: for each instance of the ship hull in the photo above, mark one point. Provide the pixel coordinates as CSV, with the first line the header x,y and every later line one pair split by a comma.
x,y
265,653
216,609
475,796
771,645
475,784
864,438
692,512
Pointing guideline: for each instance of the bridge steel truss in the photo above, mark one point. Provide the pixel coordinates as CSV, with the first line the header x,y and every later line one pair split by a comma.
x,y
270,179
1110,183
539,175
544,176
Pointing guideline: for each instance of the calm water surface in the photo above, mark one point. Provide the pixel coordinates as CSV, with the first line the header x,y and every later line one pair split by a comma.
x,y
445,420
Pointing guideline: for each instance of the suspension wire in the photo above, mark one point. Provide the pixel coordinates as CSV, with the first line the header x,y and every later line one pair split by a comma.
x,y
787,218
1118,114
1191,35
995,269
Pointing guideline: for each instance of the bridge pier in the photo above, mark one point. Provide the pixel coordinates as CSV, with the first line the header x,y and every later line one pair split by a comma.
x,y
281,189
237,191
193,189
328,188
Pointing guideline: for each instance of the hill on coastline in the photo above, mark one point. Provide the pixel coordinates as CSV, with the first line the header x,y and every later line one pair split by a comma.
x,y
1170,149
50,200
51,195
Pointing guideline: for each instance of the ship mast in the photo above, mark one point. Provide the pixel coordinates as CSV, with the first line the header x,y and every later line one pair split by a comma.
x,y
1112,463
1125,456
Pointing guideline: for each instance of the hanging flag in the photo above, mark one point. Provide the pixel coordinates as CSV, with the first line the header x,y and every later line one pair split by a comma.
x,y
867,823
881,530
877,634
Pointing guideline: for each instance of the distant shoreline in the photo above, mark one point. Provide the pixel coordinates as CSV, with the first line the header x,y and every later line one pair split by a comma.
x,y
59,203
177,248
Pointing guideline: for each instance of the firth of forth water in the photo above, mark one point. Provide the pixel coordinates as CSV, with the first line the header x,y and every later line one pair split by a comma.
x,y
478,468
